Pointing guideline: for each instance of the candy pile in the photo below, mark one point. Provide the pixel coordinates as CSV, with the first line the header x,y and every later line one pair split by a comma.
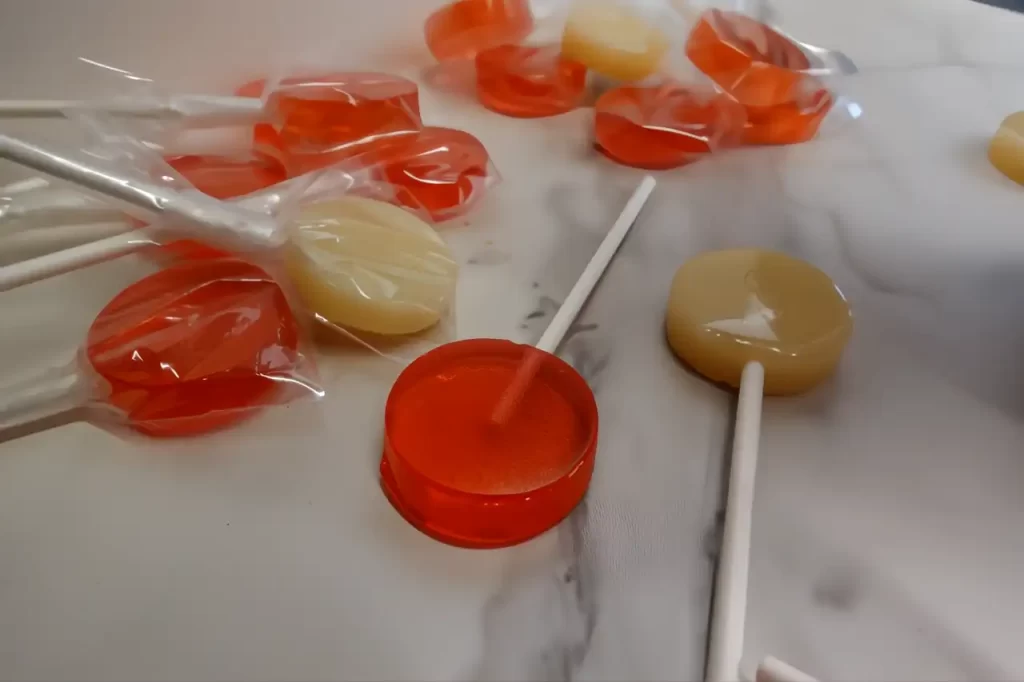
x,y
758,87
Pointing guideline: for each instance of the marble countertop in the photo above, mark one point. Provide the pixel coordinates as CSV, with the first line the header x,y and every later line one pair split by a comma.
x,y
885,536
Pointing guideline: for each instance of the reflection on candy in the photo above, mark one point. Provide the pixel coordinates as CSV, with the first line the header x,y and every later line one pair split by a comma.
x,y
320,120
223,177
664,126
529,81
455,475
750,61
790,123
1006,151
729,308
612,40
194,347
461,29
370,266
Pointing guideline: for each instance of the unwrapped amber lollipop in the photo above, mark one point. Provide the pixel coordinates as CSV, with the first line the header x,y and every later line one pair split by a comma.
x,y
765,323
1006,151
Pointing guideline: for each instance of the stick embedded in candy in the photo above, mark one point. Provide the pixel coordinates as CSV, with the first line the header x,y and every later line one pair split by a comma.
x,y
765,323
456,477
573,303
195,347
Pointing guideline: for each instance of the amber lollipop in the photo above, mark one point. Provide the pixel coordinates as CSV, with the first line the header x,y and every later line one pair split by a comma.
x,y
763,323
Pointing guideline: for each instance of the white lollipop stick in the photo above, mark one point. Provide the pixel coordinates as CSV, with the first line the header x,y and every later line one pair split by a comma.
x,y
573,303
25,244
729,611
199,110
42,395
773,670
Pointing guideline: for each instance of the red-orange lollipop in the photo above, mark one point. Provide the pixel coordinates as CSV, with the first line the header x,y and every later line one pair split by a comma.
x,y
528,82
461,29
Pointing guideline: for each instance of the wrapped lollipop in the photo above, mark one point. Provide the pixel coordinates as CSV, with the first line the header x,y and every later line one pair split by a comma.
x,y
763,323
357,261
781,82
195,347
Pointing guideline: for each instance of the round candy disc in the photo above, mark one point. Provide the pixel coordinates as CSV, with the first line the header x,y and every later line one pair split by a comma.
x,y
523,81
371,266
322,119
789,123
756,65
664,126
455,475
1006,150
441,170
727,308
194,347
461,29
613,40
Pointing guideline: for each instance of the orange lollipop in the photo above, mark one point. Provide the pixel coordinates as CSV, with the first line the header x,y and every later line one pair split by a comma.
x,y
664,126
758,66
790,123
461,29
194,347
322,119
529,82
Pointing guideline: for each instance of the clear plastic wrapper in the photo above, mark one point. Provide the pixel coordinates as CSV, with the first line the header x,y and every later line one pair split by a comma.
x,y
193,348
783,84
317,120
462,29
528,81
665,125
358,262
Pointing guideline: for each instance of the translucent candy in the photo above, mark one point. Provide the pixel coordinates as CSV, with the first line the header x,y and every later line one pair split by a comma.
x,y
529,81
728,308
461,29
1006,151
370,266
194,347
323,119
790,123
664,126
756,65
613,40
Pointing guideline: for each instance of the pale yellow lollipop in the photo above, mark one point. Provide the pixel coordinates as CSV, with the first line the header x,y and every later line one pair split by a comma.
x,y
368,265
608,37
1006,151
729,308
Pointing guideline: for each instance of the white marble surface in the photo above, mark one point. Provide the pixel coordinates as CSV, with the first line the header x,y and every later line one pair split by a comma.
x,y
887,507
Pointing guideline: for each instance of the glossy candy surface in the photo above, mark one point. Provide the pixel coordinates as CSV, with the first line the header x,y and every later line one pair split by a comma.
x,y
459,478
614,40
529,82
462,29
664,126
195,347
1006,150
728,308
370,266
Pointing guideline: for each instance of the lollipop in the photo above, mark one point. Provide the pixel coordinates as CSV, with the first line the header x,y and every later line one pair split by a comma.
x,y
761,322
527,82
195,347
358,262
611,39
664,126
459,476
1006,150
461,29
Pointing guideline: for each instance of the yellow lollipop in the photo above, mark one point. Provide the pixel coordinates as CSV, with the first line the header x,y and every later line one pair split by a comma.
x,y
763,322
613,40
370,266
1006,151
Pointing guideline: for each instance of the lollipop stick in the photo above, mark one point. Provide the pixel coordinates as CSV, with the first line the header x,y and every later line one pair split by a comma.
x,y
198,109
729,610
45,240
573,303
53,264
42,395
773,670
